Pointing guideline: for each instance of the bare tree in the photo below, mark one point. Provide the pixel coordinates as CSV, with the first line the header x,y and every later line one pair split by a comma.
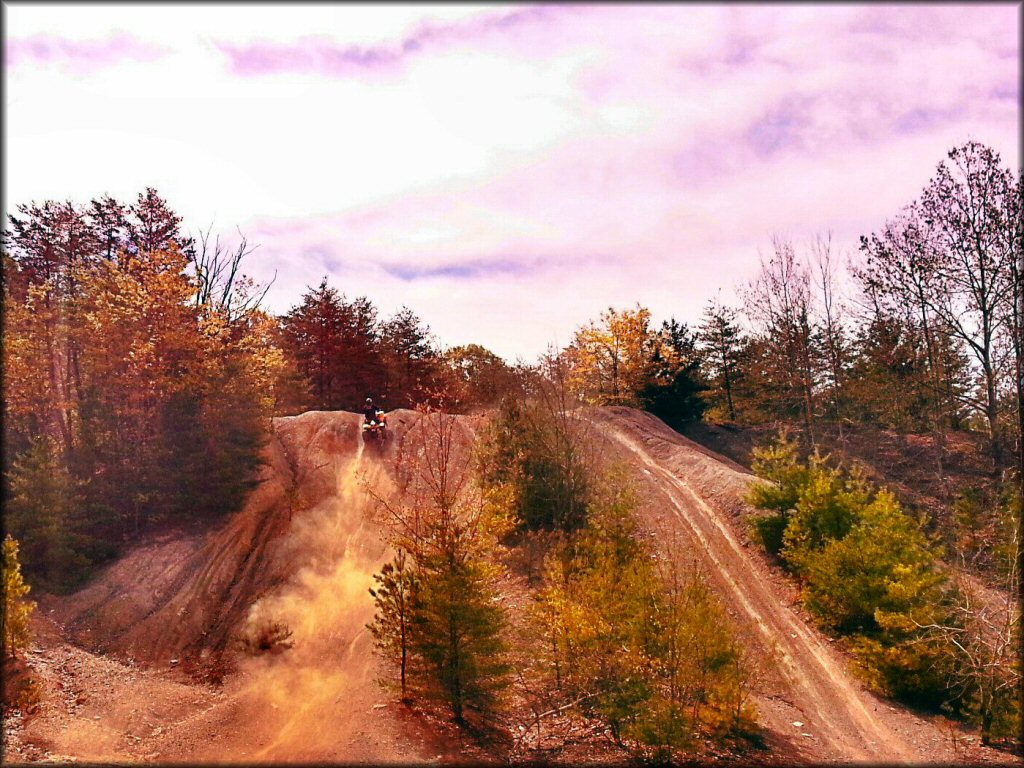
x,y
962,207
1012,233
221,287
779,300
832,316
982,640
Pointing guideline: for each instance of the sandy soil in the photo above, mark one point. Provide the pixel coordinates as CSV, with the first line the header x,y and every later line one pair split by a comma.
x,y
807,692
120,661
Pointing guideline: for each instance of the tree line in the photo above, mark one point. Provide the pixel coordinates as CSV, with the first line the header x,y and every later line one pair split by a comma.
x,y
141,374
922,330
130,396
344,352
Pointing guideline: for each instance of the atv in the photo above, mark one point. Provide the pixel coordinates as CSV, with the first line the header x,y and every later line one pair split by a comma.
x,y
375,432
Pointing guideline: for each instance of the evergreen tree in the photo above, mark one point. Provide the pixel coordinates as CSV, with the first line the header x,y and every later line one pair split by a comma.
x,y
44,516
16,608
413,365
648,653
458,630
127,398
866,567
395,600
445,599
721,341
673,391
538,452
313,330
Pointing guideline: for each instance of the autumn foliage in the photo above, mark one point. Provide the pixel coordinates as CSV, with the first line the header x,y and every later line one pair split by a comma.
x,y
128,399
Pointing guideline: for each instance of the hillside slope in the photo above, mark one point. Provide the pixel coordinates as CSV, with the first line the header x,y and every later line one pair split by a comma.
x,y
692,493
302,551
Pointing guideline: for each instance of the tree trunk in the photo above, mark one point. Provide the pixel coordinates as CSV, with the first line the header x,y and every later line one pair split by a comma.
x,y
728,392
992,415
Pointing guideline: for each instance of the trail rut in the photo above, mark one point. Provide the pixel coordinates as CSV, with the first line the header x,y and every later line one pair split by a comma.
x,y
846,723
303,551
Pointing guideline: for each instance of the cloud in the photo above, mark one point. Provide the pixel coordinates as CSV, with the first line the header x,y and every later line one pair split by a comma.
x,y
510,173
79,56
322,55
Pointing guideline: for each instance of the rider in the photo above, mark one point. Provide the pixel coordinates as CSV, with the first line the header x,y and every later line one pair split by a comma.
x,y
369,411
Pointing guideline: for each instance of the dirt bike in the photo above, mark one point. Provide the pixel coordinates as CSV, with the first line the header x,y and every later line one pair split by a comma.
x,y
376,431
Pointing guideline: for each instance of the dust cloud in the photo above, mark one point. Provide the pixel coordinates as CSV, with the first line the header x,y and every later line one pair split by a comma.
x,y
316,699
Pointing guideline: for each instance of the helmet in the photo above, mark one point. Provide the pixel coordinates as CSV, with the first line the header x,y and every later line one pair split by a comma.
x,y
369,402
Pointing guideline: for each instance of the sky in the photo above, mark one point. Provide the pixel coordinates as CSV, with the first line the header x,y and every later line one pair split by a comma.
x,y
508,172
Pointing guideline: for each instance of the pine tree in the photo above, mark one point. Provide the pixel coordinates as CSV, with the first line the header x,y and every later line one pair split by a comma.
x,y
443,520
458,630
721,340
395,600
17,610
674,388
413,365
313,331
44,515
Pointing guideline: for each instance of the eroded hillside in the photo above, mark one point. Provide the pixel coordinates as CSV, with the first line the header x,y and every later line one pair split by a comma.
x,y
302,553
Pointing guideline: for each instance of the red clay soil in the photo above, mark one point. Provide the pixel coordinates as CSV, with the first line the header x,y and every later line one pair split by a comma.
x,y
119,662
693,508
114,659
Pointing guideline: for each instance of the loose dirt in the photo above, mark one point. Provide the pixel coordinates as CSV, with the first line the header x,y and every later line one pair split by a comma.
x,y
806,689
121,664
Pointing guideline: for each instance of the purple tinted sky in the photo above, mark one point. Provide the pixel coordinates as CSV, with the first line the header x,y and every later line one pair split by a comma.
x,y
508,172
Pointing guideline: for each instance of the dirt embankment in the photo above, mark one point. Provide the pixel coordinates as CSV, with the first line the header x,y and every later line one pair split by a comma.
x,y
302,552
693,507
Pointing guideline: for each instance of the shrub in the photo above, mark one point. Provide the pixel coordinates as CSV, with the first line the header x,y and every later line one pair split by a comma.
x,y
829,504
647,652
264,636
866,567
769,530
537,450
17,610
883,564
779,463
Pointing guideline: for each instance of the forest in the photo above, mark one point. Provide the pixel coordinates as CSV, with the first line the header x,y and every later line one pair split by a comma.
x,y
142,374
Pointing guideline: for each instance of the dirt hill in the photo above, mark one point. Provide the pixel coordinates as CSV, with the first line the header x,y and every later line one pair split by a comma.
x,y
115,658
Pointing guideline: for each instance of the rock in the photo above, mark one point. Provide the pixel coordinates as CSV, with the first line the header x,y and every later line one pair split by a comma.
x,y
797,723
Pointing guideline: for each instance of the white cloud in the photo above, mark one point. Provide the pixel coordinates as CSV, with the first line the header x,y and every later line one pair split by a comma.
x,y
510,172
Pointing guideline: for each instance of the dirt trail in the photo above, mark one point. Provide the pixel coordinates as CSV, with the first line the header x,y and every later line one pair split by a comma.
x,y
839,720
303,550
